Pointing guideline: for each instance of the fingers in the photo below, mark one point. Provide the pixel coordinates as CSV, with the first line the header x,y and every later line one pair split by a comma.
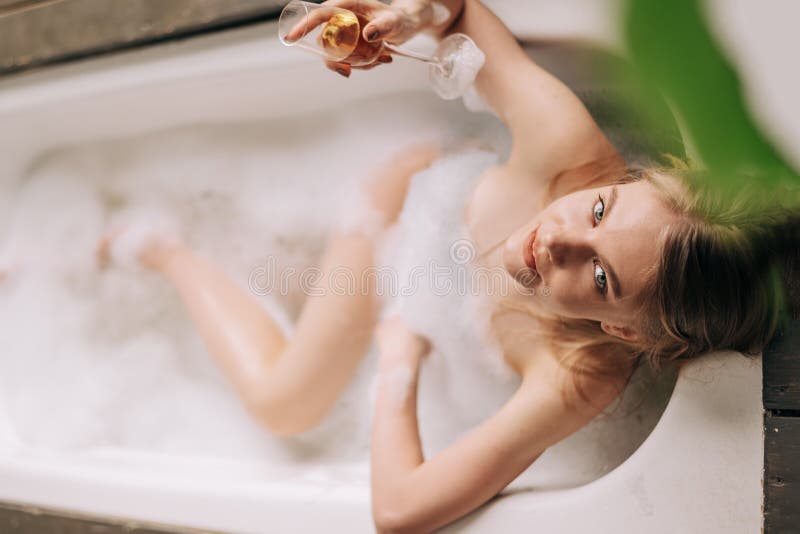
x,y
382,60
394,338
305,25
342,69
382,27
317,17
385,22
391,25
359,6
345,69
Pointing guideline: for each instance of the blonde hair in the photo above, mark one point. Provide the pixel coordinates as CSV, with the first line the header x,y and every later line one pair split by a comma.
x,y
717,285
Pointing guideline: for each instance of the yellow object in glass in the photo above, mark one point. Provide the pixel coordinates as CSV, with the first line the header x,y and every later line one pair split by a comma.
x,y
340,35
341,39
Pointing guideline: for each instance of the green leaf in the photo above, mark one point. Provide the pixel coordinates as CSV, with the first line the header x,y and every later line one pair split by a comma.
x,y
674,51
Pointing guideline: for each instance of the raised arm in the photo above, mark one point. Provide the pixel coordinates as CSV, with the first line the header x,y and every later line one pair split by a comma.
x,y
410,494
552,130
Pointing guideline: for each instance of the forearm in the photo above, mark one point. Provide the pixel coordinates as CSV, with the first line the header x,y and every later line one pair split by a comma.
x,y
396,446
551,128
506,67
508,77
412,495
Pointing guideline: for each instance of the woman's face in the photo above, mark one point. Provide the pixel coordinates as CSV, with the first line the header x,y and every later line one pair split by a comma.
x,y
589,254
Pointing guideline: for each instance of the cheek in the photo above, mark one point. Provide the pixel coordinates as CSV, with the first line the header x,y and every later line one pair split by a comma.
x,y
564,292
571,210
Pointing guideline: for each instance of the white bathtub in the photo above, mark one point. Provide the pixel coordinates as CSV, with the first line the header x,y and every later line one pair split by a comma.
x,y
698,471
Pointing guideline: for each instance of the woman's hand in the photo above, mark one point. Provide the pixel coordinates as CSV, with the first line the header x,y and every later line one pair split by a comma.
x,y
399,347
394,23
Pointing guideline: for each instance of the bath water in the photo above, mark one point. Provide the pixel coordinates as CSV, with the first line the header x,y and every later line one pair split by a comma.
x,y
97,359
108,358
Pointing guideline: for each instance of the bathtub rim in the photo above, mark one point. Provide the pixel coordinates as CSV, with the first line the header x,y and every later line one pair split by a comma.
x,y
188,62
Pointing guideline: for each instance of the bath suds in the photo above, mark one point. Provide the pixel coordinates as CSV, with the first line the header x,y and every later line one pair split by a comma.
x,y
108,358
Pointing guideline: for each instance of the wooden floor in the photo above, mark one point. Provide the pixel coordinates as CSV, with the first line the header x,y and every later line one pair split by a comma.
x,y
782,433
30,520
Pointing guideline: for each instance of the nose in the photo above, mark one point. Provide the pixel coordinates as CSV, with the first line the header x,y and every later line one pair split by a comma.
x,y
565,246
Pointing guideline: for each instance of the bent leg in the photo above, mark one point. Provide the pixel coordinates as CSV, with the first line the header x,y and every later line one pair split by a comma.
x,y
288,385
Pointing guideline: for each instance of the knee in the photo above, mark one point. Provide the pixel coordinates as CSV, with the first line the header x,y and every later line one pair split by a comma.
x,y
283,417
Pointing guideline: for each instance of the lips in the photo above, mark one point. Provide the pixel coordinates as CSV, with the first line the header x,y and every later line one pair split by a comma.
x,y
527,252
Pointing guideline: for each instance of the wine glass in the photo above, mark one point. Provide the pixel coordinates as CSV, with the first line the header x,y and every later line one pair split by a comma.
x,y
335,34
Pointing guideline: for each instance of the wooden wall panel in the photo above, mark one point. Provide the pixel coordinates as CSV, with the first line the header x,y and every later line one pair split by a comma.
x,y
781,474
782,370
40,32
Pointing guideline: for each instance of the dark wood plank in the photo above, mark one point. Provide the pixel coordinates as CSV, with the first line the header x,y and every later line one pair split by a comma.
x,y
8,7
16,519
44,32
781,370
781,474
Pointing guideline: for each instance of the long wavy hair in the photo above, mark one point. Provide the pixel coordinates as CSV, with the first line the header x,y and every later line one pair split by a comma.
x,y
726,278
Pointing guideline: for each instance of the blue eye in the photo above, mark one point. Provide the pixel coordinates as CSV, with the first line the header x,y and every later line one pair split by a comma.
x,y
599,209
600,277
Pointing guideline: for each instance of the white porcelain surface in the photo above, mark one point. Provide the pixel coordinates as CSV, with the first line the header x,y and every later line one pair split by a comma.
x,y
699,470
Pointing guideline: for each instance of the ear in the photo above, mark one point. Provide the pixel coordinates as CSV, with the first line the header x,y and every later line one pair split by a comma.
x,y
625,333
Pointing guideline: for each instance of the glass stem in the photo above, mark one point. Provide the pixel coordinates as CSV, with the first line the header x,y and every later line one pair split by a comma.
x,y
413,55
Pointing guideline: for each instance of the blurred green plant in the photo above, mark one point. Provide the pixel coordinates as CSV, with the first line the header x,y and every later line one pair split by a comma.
x,y
676,55
744,175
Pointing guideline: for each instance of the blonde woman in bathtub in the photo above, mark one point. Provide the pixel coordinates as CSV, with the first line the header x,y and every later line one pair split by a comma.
x,y
620,262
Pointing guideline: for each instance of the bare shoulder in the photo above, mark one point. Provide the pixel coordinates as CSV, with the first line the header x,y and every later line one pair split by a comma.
x,y
546,408
563,384
579,393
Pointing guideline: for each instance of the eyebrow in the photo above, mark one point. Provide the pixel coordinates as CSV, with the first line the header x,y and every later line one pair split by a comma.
x,y
612,200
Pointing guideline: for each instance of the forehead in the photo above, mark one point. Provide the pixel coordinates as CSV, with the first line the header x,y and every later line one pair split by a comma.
x,y
642,204
631,234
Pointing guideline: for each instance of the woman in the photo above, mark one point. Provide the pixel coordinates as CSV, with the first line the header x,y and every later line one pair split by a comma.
x,y
611,266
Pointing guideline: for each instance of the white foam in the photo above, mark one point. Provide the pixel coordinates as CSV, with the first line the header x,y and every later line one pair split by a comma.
x,y
474,102
96,358
464,380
